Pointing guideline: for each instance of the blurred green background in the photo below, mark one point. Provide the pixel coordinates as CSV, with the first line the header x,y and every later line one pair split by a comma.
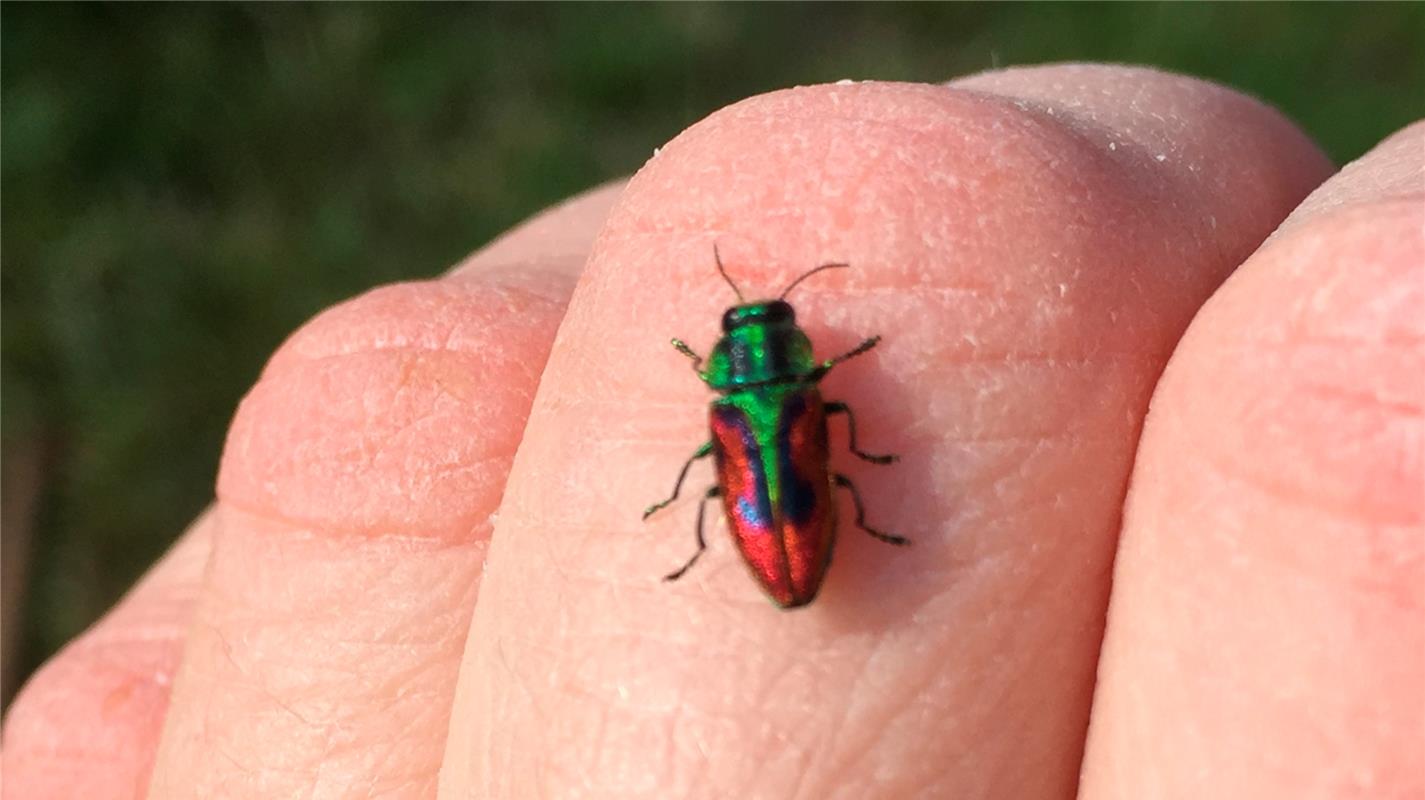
x,y
185,184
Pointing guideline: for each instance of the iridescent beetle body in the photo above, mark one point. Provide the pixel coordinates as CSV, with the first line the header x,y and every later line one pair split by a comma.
x,y
770,443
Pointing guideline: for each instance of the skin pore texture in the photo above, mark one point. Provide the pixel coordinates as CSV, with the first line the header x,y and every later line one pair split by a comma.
x,y
352,620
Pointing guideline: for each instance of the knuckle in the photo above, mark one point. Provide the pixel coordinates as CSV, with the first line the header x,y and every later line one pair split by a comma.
x,y
396,411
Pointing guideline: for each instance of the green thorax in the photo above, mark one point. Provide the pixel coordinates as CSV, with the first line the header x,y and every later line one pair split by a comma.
x,y
761,344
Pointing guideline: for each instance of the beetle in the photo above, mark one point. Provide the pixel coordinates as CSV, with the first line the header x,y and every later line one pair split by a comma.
x,y
769,441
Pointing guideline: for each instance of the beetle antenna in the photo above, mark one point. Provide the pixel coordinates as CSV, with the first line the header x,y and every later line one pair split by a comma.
x,y
808,274
723,271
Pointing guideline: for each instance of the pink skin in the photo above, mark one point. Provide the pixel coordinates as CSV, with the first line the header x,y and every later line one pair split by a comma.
x,y
88,723
1029,304
1024,337
1265,636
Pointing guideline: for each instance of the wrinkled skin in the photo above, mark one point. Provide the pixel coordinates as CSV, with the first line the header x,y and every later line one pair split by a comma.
x,y
1240,564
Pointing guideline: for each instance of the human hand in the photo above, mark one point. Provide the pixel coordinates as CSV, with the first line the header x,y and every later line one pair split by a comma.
x,y
1032,245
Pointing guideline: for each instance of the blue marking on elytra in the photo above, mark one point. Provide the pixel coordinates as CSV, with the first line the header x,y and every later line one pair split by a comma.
x,y
754,509
748,511
798,495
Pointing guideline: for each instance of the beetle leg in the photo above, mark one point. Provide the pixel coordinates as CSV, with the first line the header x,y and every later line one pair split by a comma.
x,y
702,544
826,366
682,347
842,408
703,452
845,483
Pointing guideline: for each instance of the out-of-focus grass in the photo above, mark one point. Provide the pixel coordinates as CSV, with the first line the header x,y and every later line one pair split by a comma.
x,y
184,184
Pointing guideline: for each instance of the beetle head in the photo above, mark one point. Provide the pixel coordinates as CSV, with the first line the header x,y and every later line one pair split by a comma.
x,y
767,312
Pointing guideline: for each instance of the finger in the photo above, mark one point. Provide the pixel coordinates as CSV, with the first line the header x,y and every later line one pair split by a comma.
x,y
1265,637
87,724
1030,259
355,495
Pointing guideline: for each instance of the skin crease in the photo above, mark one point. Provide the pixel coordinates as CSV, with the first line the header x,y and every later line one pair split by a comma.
x,y
1265,636
1254,141
1023,337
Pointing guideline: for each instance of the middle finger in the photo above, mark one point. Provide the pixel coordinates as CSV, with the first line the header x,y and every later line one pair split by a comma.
x,y
1031,243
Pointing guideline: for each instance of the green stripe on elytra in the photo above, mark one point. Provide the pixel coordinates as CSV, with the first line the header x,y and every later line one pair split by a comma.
x,y
763,408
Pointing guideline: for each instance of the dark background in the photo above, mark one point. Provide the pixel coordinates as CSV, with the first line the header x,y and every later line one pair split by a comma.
x,y
183,185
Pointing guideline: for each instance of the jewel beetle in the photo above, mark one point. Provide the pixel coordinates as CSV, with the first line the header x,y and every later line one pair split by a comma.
x,y
769,441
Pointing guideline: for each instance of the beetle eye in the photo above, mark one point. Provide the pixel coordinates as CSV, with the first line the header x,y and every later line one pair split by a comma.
x,y
729,319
